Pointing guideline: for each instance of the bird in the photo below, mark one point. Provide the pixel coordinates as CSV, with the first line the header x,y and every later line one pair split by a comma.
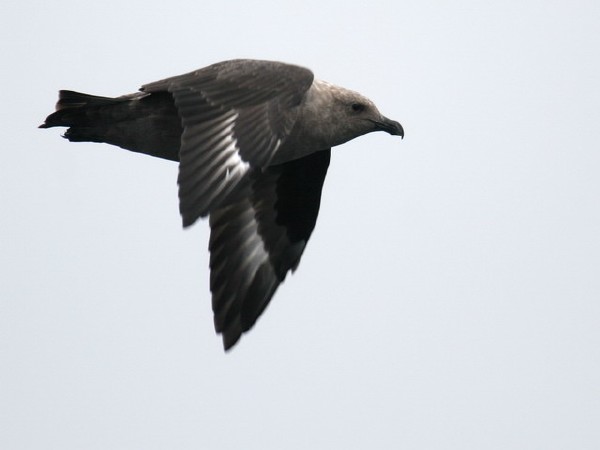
x,y
253,141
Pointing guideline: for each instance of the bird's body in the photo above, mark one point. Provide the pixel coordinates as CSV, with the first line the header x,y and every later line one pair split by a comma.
x,y
253,142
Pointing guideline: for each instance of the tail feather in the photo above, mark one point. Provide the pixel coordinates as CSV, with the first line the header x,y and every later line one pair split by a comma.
x,y
140,122
72,109
72,99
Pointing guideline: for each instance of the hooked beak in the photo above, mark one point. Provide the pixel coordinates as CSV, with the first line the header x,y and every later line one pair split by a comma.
x,y
389,126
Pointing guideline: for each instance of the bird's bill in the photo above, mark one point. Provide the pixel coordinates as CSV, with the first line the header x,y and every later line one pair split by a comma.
x,y
390,126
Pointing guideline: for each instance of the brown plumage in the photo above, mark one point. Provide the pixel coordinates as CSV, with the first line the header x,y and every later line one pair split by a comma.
x,y
253,142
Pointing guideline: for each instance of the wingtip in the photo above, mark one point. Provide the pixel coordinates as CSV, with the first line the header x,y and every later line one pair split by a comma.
x,y
229,341
187,221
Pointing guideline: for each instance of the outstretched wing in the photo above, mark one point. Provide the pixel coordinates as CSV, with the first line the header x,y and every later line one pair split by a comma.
x,y
235,115
258,238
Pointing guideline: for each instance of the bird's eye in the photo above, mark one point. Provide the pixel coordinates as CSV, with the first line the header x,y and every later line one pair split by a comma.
x,y
358,107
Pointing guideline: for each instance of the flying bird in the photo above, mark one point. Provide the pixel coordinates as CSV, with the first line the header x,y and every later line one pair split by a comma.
x,y
253,140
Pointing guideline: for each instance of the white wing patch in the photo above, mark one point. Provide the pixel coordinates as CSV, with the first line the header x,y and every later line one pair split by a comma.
x,y
211,165
234,163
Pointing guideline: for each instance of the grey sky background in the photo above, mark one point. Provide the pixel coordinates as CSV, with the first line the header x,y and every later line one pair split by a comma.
x,y
449,296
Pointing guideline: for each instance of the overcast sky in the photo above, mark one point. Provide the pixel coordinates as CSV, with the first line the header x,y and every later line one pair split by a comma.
x,y
449,297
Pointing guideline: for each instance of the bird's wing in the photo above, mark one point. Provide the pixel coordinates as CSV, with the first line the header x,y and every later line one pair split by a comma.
x,y
235,115
257,239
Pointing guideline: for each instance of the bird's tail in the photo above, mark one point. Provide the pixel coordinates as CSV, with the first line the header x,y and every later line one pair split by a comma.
x,y
77,111
139,122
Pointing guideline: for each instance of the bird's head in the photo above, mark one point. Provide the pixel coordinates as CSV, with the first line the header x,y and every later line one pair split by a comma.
x,y
349,114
